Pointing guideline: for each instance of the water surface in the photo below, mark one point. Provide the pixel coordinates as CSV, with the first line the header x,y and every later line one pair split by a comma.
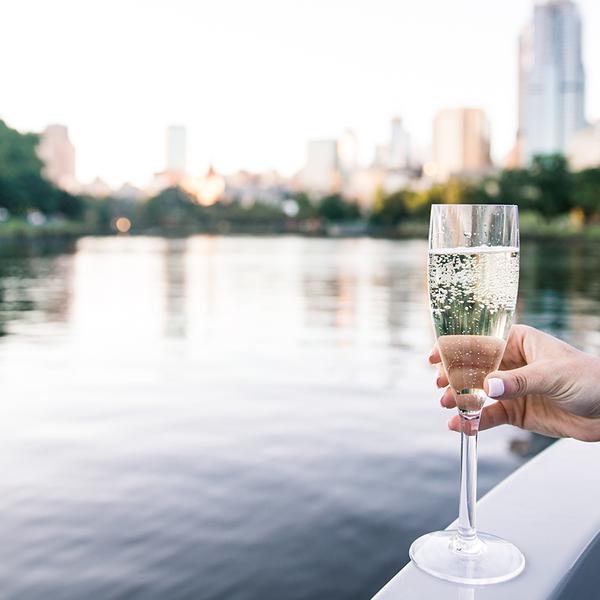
x,y
234,417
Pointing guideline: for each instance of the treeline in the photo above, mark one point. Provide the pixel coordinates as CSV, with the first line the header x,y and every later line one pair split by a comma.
x,y
175,210
548,187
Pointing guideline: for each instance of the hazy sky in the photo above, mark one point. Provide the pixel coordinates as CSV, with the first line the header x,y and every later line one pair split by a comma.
x,y
254,80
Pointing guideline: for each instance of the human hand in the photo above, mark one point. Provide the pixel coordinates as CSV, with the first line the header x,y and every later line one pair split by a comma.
x,y
544,385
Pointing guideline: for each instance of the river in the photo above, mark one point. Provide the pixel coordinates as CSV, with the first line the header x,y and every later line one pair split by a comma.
x,y
240,418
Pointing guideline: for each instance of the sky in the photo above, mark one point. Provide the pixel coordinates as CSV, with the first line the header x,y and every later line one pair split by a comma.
x,y
254,80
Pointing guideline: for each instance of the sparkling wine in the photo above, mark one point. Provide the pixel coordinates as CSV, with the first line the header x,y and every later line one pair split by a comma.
x,y
473,293
467,360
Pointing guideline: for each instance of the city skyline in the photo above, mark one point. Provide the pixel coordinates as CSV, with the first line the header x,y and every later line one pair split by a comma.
x,y
244,104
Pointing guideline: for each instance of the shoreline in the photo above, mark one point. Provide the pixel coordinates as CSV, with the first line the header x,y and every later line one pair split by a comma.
x,y
17,232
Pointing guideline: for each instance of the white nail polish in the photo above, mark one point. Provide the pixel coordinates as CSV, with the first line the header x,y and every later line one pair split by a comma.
x,y
495,387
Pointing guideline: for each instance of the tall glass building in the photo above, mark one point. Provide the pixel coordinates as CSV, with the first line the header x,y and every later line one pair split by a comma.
x,y
176,148
551,79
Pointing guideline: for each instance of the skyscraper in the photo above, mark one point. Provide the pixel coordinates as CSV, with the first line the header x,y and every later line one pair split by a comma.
x,y
583,150
551,79
461,142
399,152
176,148
58,155
321,172
347,152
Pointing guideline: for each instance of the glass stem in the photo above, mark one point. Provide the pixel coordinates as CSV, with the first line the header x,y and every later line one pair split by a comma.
x,y
466,538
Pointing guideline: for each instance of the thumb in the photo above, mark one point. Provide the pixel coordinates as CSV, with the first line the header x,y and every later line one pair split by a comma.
x,y
536,378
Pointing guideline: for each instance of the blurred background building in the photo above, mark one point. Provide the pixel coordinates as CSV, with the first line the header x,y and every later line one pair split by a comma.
x,y
347,153
176,148
399,148
247,188
58,155
461,143
551,80
175,169
97,188
583,150
321,173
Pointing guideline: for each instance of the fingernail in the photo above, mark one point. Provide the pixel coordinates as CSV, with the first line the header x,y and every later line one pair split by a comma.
x,y
430,356
442,396
495,387
436,377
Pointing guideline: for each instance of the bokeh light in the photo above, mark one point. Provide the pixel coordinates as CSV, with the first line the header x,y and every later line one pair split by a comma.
x,y
123,225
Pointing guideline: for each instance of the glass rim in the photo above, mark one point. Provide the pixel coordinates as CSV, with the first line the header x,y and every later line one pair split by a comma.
x,y
476,205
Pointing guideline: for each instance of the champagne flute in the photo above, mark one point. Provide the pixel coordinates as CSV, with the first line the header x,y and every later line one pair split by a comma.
x,y
473,271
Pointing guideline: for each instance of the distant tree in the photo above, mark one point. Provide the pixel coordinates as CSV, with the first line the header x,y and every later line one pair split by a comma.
x,y
260,213
335,208
21,184
18,156
390,210
435,195
587,191
460,191
516,186
550,175
353,211
306,208
72,207
173,207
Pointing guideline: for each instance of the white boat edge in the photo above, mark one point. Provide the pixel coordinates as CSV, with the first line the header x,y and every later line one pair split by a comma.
x,y
549,508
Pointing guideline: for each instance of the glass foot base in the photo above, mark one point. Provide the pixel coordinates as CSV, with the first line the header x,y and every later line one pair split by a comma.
x,y
495,560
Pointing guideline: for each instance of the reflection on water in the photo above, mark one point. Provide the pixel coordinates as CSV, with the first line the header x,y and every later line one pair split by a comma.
x,y
235,417
560,291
